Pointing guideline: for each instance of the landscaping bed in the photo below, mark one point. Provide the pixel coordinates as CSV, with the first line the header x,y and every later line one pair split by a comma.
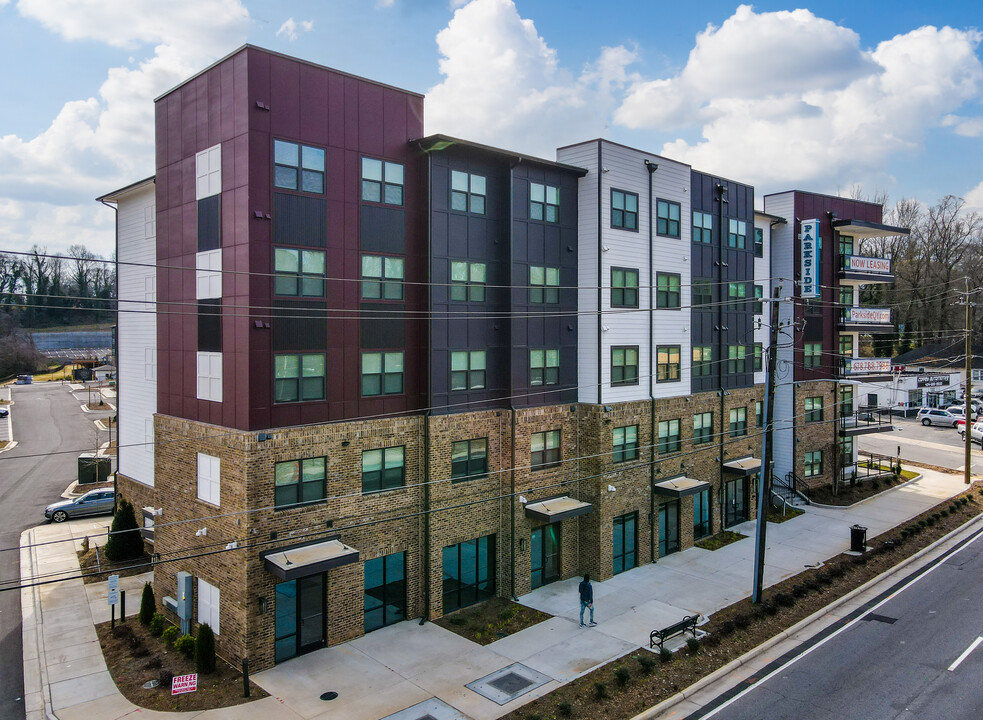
x,y
641,679
135,657
775,514
721,539
95,571
851,494
491,620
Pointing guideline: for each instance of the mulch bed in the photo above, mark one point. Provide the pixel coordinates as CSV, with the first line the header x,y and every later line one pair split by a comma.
x,y
491,620
850,494
743,626
134,657
95,572
721,539
775,515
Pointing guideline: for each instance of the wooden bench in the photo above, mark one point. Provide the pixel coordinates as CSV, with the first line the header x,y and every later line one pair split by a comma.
x,y
687,624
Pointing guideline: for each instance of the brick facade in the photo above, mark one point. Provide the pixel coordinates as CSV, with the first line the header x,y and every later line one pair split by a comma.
x,y
816,435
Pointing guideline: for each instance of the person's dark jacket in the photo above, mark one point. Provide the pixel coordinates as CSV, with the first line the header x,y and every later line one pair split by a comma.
x,y
586,592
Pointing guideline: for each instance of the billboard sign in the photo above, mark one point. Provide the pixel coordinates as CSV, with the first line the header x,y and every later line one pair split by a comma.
x,y
869,316
933,380
864,366
878,266
809,258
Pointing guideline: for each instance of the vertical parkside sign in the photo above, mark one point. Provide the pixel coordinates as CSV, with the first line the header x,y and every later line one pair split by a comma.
x,y
809,259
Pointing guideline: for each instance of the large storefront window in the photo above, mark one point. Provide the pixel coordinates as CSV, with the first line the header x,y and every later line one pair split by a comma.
x,y
385,591
469,572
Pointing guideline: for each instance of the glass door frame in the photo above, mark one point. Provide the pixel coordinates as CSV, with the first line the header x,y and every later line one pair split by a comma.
x,y
300,649
668,544
741,487
543,531
618,528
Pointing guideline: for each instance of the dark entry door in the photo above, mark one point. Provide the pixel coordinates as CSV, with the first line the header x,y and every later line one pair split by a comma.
x,y
668,528
735,501
545,547
385,591
299,616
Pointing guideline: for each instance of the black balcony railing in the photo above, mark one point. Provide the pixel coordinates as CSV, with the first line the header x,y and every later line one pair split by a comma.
x,y
867,420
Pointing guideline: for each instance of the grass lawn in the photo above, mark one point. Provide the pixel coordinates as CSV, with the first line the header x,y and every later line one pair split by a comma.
x,y
721,539
63,373
491,620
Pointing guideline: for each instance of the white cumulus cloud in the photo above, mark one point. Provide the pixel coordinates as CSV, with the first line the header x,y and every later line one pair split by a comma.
x,y
504,85
290,27
965,126
974,199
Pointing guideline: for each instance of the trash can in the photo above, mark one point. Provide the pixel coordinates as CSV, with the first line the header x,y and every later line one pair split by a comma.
x,y
858,538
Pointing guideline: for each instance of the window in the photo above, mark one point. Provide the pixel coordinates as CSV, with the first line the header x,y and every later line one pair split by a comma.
x,y
208,174
382,373
382,182
467,192
667,291
624,541
702,360
544,367
298,272
210,325
846,451
209,376
469,572
814,409
669,437
544,285
702,292
209,479
702,227
299,481
624,210
759,306
846,349
667,363
736,234
702,428
624,288
845,302
624,365
384,602
759,413
297,378
468,281
544,450
382,277
298,167
759,242
813,354
667,218
737,295
738,422
846,399
469,459
208,605
846,248
625,442
758,360
702,527
468,370
544,202
383,469
736,359
814,463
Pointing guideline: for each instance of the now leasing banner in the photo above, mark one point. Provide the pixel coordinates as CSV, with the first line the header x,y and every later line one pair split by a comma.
x,y
880,266
870,316
809,259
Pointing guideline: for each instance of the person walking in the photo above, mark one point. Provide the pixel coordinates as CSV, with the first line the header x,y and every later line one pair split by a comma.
x,y
586,600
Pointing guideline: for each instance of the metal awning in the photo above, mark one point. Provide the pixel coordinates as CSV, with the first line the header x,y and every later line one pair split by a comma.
x,y
557,509
862,228
680,487
309,559
743,466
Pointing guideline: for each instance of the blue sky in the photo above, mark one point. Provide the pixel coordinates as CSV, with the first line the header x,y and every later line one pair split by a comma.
x,y
884,95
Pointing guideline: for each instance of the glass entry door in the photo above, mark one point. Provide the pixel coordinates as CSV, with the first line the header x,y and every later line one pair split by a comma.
x,y
385,591
735,501
668,528
623,544
545,546
299,616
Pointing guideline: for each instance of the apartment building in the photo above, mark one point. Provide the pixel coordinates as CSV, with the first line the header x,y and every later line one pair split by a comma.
x,y
818,257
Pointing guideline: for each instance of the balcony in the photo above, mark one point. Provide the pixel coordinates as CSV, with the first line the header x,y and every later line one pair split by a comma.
x,y
865,270
866,320
864,421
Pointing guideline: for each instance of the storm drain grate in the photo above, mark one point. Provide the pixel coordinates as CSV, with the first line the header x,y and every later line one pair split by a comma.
x,y
432,709
512,681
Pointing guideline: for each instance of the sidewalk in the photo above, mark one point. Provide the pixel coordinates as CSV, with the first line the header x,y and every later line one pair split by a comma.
x,y
400,666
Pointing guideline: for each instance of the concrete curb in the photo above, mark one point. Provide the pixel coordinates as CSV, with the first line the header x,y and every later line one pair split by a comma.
x,y
11,444
657,710
867,499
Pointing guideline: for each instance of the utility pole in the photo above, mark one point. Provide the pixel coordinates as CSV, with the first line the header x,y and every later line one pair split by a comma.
x,y
968,407
767,450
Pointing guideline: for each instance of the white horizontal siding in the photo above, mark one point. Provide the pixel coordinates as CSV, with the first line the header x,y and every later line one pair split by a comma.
x,y
781,252
137,334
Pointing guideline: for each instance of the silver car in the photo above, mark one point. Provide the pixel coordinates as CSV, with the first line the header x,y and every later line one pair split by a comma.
x,y
937,416
94,502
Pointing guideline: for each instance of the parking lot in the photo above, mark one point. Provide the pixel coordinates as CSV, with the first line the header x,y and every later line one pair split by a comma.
x,y
932,445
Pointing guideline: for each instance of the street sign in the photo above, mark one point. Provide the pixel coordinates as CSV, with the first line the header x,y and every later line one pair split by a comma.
x,y
114,582
113,597
184,684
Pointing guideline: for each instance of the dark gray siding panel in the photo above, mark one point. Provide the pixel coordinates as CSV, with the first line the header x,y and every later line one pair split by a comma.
x,y
383,230
299,325
210,325
210,223
300,220
379,332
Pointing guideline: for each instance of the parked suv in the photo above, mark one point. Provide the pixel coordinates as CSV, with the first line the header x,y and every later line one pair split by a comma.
x,y
977,432
937,416
960,411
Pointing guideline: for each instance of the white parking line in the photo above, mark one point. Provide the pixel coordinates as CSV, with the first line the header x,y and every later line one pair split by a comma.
x,y
966,653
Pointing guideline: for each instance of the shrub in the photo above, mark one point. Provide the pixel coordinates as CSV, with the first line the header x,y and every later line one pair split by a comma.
x,y
157,625
665,655
154,663
930,520
836,571
945,513
565,709
85,544
622,676
936,516
170,635
185,645
922,523
905,532
164,677
953,507
799,590
741,621
125,542
727,627
148,605
600,690
769,608
646,662
713,639
785,599
205,650
693,644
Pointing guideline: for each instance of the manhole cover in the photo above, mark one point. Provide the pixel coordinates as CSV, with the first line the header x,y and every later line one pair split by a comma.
x,y
510,683
331,695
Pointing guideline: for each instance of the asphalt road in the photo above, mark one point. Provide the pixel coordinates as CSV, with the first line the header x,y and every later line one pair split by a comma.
x,y
899,661
932,445
46,419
